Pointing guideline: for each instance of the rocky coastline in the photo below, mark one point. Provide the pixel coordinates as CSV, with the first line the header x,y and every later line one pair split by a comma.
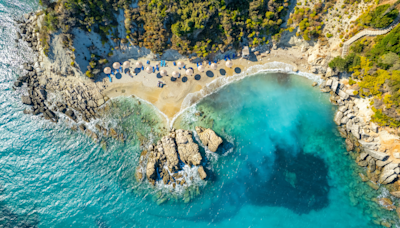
x,y
80,100
372,147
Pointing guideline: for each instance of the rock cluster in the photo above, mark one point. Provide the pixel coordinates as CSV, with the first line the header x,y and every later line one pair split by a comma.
x,y
360,135
164,160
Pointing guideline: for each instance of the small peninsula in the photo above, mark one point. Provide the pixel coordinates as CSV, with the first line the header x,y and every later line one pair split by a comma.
x,y
172,54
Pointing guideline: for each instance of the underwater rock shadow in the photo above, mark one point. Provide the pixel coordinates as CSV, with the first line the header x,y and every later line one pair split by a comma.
x,y
298,183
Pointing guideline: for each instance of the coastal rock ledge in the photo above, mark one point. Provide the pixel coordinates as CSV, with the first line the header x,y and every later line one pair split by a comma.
x,y
164,161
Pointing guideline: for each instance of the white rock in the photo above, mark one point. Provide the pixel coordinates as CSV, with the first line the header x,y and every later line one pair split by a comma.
x,y
377,155
343,95
329,82
334,86
338,117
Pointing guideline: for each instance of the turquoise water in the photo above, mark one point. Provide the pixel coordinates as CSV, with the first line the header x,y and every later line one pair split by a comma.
x,y
282,163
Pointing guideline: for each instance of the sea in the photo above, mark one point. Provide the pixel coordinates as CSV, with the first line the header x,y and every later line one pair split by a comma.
x,y
282,162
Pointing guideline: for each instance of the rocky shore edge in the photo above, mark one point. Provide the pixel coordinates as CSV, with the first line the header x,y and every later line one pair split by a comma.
x,y
163,162
364,140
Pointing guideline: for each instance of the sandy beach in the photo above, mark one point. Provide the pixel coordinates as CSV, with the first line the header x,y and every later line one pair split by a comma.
x,y
169,99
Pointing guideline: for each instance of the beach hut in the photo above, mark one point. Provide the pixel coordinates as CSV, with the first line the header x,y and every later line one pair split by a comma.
x,y
139,64
126,64
116,65
181,64
246,52
214,66
175,74
229,64
201,68
107,70
149,69
163,73
189,72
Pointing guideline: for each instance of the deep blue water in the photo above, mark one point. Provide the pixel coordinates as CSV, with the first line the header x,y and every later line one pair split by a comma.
x,y
282,163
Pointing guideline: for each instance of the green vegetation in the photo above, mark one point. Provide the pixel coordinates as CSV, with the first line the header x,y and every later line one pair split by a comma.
x,y
375,66
382,16
189,26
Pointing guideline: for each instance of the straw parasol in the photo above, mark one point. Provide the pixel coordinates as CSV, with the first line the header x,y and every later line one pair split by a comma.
x,y
175,74
149,69
127,64
214,66
180,64
229,64
116,65
139,64
189,72
163,73
107,70
201,68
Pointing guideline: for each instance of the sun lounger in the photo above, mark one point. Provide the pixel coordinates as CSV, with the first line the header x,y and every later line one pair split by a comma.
x,y
174,63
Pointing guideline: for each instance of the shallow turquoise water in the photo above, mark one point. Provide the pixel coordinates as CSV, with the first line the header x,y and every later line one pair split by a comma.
x,y
282,163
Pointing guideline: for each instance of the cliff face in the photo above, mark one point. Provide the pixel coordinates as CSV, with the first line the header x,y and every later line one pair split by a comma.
x,y
166,159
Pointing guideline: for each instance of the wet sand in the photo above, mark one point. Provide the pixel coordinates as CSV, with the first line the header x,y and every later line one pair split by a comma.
x,y
169,99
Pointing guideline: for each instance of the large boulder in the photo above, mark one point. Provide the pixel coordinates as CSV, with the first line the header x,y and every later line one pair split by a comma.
x,y
187,149
209,138
151,168
377,155
26,100
169,149
202,173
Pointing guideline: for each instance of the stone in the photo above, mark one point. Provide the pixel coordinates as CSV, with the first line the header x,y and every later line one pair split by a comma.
x,y
100,102
343,95
371,165
329,72
70,114
209,138
188,150
373,185
387,177
396,194
377,155
335,85
329,82
338,117
396,155
349,145
363,156
169,149
113,133
363,177
314,84
383,163
344,120
26,100
386,203
202,173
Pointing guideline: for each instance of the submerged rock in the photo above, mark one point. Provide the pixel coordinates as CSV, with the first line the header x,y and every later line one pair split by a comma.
x,y
209,138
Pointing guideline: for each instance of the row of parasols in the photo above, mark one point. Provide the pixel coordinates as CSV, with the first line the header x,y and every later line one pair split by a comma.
x,y
150,69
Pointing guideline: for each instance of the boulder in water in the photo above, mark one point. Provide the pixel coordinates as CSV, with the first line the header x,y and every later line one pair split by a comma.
x,y
209,138
202,173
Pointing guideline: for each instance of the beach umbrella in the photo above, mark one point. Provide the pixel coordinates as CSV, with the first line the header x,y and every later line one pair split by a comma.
x,y
163,73
149,69
127,64
189,72
229,64
214,66
139,64
107,70
175,74
116,65
201,68
181,64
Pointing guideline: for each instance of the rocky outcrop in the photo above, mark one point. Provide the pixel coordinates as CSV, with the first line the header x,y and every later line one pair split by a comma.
x,y
209,138
164,161
188,150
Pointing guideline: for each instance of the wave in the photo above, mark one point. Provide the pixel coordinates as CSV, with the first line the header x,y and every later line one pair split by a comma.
x,y
272,67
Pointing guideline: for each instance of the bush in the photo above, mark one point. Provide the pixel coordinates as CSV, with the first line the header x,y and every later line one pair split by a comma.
x,y
329,35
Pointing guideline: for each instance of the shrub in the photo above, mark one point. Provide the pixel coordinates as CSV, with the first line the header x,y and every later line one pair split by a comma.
x,y
329,35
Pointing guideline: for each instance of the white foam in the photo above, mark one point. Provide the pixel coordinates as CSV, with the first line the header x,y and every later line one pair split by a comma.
x,y
272,67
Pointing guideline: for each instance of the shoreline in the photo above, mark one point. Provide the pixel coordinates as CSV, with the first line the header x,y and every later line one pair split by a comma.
x,y
375,148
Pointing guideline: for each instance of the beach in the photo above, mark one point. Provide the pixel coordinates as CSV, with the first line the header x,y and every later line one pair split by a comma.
x,y
169,99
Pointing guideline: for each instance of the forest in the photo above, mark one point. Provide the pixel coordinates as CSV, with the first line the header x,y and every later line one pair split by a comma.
x,y
189,26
